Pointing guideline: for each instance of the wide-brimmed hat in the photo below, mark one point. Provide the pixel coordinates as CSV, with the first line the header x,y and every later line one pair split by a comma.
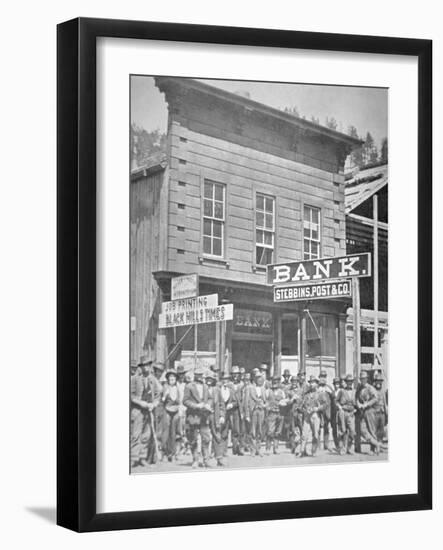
x,y
313,378
276,378
158,365
349,378
286,372
211,375
144,360
235,370
263,366
200,371
336,380
180,369
363,374
323,374
169,372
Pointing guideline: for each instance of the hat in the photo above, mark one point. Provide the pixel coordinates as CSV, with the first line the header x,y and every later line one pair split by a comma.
x,y
242,370
286,372
255,370
263,366
294,379
323,374
313,378
211,375
169,372
363,374
336,380
276,378
199,371
159,366
144,360
180,369
235,370
349,378
301,373
378,378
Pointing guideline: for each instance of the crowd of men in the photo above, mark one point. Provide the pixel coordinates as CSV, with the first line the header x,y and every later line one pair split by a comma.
x,y
174,412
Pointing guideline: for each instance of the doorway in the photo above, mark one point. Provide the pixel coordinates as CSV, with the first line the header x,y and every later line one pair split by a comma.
x,y
250,353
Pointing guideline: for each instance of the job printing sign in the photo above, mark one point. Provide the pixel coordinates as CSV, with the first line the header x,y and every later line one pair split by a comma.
x,y
196,316
186,304
354,265
312,291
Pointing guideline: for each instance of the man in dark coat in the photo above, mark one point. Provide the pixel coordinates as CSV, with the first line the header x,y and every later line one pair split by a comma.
x,y
312,407
232,404
198,411
366,401
217,417
326,396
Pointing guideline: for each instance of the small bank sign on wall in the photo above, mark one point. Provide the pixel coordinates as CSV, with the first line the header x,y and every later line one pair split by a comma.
x,y
340,267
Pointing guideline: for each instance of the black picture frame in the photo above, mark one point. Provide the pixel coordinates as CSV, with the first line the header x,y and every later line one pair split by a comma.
x,y
76,280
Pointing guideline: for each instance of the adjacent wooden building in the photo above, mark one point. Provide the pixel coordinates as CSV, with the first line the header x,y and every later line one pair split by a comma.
x,y
242,185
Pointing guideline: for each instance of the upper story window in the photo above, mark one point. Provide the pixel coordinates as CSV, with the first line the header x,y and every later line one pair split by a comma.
x,y
311,232
213,218
264,229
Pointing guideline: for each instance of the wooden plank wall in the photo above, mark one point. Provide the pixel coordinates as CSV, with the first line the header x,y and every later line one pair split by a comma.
x,y
148,254
195,156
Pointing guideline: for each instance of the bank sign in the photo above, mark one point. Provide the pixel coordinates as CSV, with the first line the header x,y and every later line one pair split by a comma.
x,y
340,267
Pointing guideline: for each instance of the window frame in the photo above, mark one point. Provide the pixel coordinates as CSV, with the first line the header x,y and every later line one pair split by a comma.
x,y
320,229
212,219
258,192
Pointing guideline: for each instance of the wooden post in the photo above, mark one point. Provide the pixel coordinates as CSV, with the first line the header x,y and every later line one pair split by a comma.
x,y
356,310
303,343
277,340
375,277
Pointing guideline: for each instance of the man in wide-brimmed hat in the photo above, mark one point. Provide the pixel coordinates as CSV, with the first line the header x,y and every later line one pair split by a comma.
x,y
217,418
345,405
312,408
380,408
367,398
198,409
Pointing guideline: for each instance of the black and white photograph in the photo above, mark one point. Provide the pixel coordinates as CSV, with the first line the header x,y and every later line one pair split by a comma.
x,y
259,319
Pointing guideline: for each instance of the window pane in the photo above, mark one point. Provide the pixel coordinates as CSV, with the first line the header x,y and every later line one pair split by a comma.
x,y
269,221
306,213
217,247
315,249
207,245
218,192
208,190
268,237
207,227
218,210
306,246
260,202
260,258
259,217
217,229
315,215
208,210
269,255
269,204
314,234
259,236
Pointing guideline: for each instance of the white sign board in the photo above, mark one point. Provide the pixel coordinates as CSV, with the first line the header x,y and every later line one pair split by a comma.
x,y
185,304
196,316
185,286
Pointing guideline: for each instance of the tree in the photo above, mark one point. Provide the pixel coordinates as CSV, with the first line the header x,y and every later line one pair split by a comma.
x,y
292,111
384,150
145,144
357,154
315,119
331,123
370,153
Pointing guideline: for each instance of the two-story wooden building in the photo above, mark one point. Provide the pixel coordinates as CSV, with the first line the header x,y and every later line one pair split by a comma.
x,y
242,185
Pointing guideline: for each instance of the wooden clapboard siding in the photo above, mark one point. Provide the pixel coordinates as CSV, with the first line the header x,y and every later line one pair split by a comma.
x,y
245,171
148,245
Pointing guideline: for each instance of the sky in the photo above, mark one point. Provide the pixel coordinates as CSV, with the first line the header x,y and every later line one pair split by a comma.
x,y
364,108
